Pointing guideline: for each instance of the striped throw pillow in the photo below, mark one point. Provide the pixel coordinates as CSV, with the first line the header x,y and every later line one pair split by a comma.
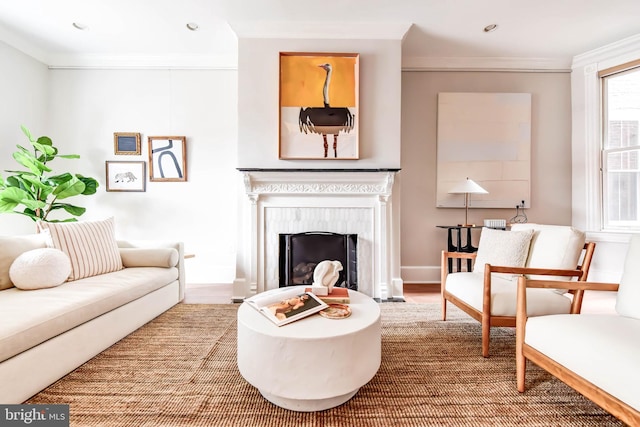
x,y
90,245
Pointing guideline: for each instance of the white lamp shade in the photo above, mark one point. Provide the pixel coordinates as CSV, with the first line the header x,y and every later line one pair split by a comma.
x,y
467,186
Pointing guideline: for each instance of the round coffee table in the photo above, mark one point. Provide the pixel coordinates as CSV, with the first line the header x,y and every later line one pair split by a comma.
x,y
314,363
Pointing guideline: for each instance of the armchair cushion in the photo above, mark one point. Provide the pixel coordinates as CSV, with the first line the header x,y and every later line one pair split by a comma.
x,y
628,299
553,247
469,287
503,248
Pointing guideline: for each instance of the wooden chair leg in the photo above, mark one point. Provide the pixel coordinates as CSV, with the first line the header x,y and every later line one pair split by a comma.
x,y
486,336
521,369
444,309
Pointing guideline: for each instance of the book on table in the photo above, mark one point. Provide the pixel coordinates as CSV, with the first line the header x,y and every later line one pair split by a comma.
x,y
286,306
336,296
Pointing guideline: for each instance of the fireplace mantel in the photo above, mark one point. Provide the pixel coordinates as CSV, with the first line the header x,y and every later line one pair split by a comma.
x,y
359,201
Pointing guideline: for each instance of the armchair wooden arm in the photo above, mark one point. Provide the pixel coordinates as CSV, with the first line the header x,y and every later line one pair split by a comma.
x,y
483,314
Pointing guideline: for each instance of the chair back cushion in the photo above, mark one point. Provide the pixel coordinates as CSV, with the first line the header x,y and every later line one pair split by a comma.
x,y
628,299
554,247
502,248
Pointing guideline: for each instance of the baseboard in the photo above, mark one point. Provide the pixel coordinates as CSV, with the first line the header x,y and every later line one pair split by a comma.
x,y
420,274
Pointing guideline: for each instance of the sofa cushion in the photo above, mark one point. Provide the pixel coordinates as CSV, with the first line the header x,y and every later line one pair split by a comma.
x,y
90,245
502,248
597,347
554,247
40,269
30,318
628,299
149,257
10,248
469,287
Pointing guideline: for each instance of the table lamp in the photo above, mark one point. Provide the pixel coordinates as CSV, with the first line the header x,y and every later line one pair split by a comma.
x,y
466,187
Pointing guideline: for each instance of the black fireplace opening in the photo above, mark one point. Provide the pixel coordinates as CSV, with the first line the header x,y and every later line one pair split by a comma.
x,y
301,252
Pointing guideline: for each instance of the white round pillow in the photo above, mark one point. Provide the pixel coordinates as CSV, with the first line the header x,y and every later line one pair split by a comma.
x,y
39,269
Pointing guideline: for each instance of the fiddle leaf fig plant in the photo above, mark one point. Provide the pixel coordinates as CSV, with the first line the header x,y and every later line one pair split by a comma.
x,y
36,191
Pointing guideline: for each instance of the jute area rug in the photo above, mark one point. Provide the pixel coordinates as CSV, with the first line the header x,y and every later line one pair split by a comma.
x,y
180,370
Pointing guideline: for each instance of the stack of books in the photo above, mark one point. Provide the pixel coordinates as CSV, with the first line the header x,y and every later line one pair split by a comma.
x,y
336,296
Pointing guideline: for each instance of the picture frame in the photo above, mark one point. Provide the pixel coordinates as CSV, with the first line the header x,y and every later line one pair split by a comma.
x,y
167,158
126,175
127,143
319,106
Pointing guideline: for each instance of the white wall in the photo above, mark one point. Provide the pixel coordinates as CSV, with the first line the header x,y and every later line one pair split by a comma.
x,y
23,85
611,247
86,107
258,94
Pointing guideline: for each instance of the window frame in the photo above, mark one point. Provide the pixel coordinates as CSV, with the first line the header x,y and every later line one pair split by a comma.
x,y
603,76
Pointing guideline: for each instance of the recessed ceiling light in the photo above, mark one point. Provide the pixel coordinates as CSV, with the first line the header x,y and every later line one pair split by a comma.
x,y
491,27
193,26
80,26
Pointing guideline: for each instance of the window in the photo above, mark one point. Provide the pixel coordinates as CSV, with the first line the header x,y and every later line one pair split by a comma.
x,y
620,162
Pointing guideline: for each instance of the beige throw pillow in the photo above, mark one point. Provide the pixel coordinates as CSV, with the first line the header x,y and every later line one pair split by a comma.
x,y
90,245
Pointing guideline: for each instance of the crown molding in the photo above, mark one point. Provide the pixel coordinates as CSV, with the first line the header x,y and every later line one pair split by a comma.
x,y
134,62
613,51
549,65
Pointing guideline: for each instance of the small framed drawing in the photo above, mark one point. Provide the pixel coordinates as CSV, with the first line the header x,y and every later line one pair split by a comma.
x,y
126,175
126,143
167,158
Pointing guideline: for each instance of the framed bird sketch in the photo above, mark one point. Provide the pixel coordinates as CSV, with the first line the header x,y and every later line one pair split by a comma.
x,y
126,175
319,117
167,158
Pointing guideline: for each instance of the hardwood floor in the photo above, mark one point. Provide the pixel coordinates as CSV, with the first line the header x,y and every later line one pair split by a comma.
x,y
421,293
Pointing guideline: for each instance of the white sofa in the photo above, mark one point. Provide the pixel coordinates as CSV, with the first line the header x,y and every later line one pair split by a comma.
x,y
46,333
488,293
596,354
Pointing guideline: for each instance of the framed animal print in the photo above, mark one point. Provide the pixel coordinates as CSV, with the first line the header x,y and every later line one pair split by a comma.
x,y
319,116
126,176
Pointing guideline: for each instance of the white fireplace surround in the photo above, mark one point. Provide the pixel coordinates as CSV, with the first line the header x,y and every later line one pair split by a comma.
x,y
340,201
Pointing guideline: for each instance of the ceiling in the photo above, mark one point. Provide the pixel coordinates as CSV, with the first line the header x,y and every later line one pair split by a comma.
x,y
154,32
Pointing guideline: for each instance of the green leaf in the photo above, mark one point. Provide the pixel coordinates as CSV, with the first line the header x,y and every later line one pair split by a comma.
x,y
26,132
45,140
70,188
90,185
72,209
69,156
13,196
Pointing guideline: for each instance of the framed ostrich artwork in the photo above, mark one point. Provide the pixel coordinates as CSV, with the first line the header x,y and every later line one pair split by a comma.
x,y
319,114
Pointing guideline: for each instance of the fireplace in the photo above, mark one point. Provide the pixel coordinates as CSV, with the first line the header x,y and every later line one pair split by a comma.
x,y
347,201
300,253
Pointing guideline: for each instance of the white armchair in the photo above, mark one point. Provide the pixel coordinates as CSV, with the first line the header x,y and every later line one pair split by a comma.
x,y
488,293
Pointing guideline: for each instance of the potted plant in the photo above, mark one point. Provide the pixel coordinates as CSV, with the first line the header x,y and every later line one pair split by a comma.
x,y
36,192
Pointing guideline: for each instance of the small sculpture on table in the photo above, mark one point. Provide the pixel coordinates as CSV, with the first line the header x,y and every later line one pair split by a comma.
x,y
325,276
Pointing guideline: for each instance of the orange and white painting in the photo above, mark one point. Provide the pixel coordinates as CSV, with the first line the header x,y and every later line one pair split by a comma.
x,y
319,114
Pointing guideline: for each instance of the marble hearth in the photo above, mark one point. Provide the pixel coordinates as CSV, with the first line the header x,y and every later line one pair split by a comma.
x,y
341,201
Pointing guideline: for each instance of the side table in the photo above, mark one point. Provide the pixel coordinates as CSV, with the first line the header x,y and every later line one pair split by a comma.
x,y
458,246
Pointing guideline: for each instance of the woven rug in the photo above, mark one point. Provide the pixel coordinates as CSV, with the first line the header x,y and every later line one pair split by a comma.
x,y
180,370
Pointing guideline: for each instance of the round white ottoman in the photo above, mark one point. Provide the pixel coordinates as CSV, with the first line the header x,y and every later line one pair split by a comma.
x,y
314,363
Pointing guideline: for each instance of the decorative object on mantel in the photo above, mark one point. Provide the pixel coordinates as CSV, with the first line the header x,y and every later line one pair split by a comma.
x,y
38,192
167,158
126,143
319,98
466,187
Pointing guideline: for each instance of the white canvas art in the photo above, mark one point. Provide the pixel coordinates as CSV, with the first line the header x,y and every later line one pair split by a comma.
x,y
487,138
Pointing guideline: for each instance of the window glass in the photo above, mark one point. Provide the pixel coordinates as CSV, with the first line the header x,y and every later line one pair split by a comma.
x,y
621,150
